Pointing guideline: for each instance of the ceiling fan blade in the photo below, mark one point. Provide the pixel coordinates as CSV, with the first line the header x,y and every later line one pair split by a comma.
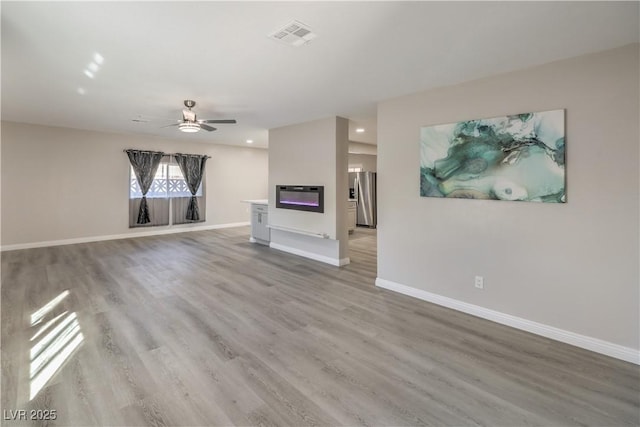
x,y
207,127
232,121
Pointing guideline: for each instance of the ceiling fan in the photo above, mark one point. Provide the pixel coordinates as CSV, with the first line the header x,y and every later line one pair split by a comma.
x,y
190,123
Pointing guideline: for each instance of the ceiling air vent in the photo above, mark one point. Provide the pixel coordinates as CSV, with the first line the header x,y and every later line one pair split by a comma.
x,y
295,34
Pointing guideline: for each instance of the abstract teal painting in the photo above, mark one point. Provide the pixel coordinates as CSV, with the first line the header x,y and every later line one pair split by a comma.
x,y
519,157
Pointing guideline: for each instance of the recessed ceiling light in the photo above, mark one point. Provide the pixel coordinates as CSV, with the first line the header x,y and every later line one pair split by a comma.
x,y
249,141
88,74
360,130
93,67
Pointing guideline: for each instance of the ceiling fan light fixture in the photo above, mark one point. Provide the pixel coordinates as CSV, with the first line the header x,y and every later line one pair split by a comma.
x,y
189,127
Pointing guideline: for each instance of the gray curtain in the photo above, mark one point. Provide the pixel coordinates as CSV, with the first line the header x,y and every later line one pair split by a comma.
x,y
145,164
192,167
179,206
158,212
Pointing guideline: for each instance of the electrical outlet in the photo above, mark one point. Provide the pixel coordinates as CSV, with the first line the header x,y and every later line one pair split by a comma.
x,y
479,282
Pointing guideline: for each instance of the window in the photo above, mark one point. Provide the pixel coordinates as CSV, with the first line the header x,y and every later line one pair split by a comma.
x,y
168,198
177,185
355,169
158,186
168,182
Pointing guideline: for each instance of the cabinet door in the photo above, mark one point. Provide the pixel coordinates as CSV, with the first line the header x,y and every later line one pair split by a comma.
x,y
264,230
352,218
259,228
255,225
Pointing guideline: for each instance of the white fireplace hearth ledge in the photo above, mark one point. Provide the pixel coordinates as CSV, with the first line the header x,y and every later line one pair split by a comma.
x,y
298,231
256,202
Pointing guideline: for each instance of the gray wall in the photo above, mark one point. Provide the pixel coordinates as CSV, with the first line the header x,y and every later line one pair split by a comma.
x,y
368,161
60,183
362,148
312,153
572,266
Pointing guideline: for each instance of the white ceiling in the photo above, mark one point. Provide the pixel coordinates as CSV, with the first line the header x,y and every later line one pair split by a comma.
x,y
156,54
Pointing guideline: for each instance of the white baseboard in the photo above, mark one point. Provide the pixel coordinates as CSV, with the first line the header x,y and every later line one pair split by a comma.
x,y
597,345
156,232
327,260
344,261
258,241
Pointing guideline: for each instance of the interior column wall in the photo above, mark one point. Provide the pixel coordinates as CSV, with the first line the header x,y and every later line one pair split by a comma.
x,y
310,154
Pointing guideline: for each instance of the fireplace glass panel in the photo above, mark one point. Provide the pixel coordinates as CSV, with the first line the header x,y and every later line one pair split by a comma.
x,y
299,198
302,198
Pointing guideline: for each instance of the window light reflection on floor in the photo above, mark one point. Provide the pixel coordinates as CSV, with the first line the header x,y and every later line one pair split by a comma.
x,y
45,309
46,326
49,353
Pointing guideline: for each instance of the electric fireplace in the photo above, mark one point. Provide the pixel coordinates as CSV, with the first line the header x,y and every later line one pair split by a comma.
x,y
300,198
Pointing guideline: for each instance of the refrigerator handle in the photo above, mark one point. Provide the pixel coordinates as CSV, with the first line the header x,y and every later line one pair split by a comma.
x,y
356,188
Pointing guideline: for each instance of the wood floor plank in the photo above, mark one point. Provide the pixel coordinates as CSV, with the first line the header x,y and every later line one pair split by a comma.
x,y
290,404
205,328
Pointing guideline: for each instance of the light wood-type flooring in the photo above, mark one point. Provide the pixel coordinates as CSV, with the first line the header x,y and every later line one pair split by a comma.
x,y
205,328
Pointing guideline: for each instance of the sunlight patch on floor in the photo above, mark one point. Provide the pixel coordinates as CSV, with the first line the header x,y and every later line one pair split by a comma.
x,y
62,336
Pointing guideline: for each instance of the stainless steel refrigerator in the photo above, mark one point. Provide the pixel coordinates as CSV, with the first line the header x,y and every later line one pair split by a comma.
x,y
364,185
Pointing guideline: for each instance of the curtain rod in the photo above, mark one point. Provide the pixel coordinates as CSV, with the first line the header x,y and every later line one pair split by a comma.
x,y
165,154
